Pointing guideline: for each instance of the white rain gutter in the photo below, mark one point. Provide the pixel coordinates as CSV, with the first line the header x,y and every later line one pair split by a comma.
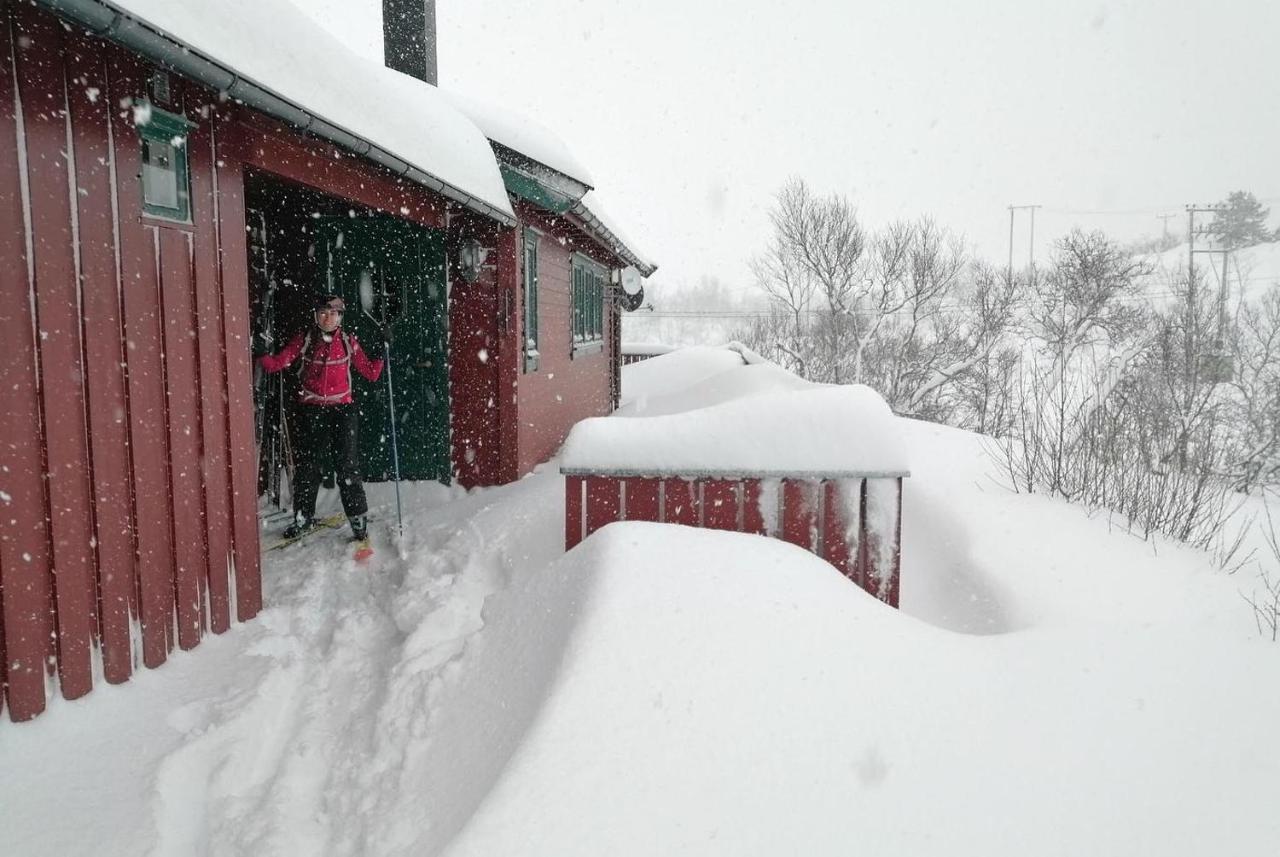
x,y
605,235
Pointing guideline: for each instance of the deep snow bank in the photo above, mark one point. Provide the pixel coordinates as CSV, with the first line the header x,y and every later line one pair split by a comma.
x,y
659,376
729,694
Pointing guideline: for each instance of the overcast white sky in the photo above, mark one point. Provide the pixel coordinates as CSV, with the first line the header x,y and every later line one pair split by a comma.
x,y
691,114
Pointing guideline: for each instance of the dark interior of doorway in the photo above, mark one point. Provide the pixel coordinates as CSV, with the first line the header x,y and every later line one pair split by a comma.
x,y
282,219
303,243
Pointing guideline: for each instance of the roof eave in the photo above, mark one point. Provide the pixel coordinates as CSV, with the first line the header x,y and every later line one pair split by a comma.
x,y
597,229
561,182
110,23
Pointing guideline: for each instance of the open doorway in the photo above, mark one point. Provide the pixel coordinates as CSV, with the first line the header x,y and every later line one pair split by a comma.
x,y
303,243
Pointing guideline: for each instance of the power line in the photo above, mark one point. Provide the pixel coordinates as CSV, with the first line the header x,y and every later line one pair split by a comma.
x,y
1157,210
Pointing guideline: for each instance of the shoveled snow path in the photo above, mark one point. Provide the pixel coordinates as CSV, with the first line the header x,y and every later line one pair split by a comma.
x,y
306,731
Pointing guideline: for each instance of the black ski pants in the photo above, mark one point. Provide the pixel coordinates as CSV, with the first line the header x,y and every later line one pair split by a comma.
x,y
329,435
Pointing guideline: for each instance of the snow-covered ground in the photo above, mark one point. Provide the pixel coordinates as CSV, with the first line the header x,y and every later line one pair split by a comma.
x,y
1051,686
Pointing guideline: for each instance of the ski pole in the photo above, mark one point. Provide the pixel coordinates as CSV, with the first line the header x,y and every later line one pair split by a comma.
x,y
395,449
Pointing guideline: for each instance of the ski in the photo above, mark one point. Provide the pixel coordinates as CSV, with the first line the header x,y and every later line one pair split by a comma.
x,y
331,522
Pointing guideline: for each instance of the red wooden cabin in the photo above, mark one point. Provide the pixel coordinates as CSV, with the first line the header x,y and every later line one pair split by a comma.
x,y
155,199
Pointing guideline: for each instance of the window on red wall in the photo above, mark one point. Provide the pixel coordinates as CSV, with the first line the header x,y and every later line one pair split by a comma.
x,y
589,280
166,182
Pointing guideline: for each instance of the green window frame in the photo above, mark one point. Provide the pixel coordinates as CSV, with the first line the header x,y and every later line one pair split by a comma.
x,y
589,281
166,175
531,355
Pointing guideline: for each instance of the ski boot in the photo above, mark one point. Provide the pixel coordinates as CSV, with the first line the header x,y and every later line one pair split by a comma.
x,y
300,527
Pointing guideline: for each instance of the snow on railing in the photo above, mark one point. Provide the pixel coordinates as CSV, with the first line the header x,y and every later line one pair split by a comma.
x,y
819,468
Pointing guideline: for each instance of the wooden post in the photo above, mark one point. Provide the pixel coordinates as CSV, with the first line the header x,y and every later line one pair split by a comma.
x,y
573,486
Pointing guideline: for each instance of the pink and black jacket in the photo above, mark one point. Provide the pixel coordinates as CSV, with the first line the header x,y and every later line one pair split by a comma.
x,y
326,368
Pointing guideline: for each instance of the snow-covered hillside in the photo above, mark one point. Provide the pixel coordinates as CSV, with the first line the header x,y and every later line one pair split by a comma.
x,y
1051,686
1250,270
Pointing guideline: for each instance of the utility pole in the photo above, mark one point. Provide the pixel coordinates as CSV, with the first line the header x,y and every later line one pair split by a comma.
x,y
1011,243
1031,248
1164,222
1192,356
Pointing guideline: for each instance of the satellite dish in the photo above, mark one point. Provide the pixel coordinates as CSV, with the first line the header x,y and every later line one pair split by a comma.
x,y
630,292
631,281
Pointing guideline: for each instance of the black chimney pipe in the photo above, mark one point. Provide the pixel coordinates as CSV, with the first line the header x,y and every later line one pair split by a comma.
x,y
409,38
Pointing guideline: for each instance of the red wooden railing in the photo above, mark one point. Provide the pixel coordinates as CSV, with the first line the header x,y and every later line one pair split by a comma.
x,y
853,521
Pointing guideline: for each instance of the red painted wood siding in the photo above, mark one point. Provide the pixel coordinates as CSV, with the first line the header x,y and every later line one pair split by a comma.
x,y
123,366
127,465
130,381
565,389
26,574
827,517
478,341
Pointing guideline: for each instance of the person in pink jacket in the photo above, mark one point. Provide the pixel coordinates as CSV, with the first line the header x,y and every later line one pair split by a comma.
x,y
326,417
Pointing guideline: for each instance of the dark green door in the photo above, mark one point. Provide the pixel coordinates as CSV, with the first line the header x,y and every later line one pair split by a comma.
x,y
403,266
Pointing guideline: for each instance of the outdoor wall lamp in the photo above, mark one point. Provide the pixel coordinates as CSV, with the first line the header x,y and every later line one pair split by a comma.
x,y
471,258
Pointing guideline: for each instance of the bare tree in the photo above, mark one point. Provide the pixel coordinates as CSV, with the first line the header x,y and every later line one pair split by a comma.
x,y
785,271
1255,349
903,310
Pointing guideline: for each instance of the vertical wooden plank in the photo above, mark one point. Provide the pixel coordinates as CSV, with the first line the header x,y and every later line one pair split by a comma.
x,y
720,504
604,494
883,529
680,502
573,487
862,574
643,500
799,512
143,327
835,524
895,582
752,516
53,204
4,660
228,175
211,340
104,355
26,588
182,406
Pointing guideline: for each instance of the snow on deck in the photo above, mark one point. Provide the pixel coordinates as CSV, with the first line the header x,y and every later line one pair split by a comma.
x,y
671,373
822,431
273,44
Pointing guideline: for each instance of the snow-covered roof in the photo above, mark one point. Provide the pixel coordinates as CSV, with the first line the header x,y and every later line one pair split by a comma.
x,y
533,140
827,431
272,45
521,134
